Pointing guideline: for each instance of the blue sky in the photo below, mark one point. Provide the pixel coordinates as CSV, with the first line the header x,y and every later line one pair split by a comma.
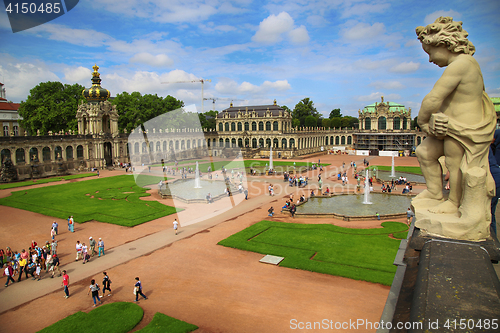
x,y
341,54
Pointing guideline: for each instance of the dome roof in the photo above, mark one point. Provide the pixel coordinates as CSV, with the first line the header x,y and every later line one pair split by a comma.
x,y
96,93
389,106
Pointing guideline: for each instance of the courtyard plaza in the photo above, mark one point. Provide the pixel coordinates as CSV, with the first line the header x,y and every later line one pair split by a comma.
x,y
188,276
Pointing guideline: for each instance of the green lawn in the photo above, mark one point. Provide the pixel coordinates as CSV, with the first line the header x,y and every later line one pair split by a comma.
x,y
118,317
112,200
408,169
44,180
360,254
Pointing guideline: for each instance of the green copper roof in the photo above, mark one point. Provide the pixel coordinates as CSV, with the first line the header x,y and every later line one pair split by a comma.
x,y
392,107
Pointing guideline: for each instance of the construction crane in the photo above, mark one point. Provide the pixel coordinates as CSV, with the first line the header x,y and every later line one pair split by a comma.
x,y
192,81
213,99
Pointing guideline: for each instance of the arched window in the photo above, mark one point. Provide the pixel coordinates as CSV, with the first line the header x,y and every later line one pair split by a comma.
x,y
20,158
34,154
268,143
240,141
46,154
58,152
176,144
144,148
337,140
233,127
368,123
6,131
275,126
342,140
183,145
349,140
151,147
331,140
188,143
79,151
275,143
292,143
247,126
221,127
221,142
226,127
254,126
405,123
283,143
158,146
247,143
382,123
233,143
268,125
239,127
16,130
5,154
261,142
69,152
227,142
397,123
136,148
254,141
164,145
261,125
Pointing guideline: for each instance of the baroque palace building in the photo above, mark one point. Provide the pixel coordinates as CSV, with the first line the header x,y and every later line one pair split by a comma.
x,y
249,130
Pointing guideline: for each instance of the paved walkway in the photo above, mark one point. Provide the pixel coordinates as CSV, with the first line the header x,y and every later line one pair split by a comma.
x,y
19,293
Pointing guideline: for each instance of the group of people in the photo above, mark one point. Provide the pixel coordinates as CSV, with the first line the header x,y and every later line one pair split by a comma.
x,y
32,262
85,252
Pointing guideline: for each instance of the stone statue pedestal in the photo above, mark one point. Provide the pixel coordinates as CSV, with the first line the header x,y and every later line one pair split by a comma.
x,y
472,220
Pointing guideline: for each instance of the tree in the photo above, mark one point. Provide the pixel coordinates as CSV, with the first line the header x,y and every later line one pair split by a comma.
x,y
207,119
335,113
310,121
295,123
51,106
326,123
335,122
134,109
351,122
303,109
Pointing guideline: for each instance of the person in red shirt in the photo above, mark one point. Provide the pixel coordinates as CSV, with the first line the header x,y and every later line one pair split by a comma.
x,y
65,283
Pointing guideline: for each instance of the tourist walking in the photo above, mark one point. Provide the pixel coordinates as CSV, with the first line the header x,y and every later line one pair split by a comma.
x,y
94,288
65,283
55,226
53,233
78,250
176,226
106,284
409,214
71,224
92,244
9,272
55,265
100,245
138,289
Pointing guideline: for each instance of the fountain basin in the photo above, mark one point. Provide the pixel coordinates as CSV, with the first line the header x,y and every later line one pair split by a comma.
x,y
184,190
350,206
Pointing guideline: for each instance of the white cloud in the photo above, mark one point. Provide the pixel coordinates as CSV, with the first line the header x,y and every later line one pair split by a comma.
x,y
299,35
159,60
78,74
364,31
85,37
405,67
375,97
20,77
430,18
210,27
271,28
231,87
317,20
387,85
274,27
